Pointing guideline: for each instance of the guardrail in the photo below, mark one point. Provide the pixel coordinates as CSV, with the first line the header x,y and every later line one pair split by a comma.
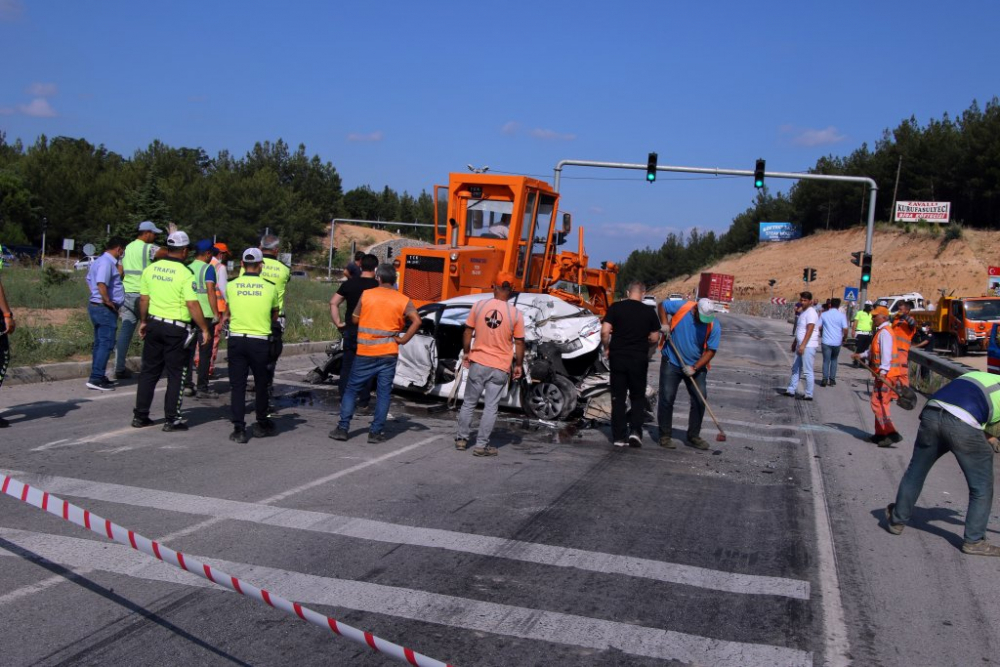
x,y
946,368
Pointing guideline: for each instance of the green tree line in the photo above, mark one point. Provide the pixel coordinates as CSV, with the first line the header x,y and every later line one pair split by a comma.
x,y
945,160
83,190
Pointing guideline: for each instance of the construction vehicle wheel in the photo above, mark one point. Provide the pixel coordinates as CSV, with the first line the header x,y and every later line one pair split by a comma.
x,y
550,399
957,349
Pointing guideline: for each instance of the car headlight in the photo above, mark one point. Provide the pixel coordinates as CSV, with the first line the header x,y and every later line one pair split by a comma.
x,y
570,345
971,334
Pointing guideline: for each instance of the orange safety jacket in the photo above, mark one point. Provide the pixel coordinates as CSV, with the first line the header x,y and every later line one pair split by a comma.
x,y
902,334
383,317
897,368
220,298
680,314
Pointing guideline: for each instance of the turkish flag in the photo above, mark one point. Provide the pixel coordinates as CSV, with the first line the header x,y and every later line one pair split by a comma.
x,y
994,270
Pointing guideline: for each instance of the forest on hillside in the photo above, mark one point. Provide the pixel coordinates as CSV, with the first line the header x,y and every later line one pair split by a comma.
x,y
77,190
955,160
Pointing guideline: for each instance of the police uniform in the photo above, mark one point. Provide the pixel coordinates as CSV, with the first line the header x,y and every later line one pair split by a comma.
x,y
137,258
278,274
5,319
169,284
253,300
203,274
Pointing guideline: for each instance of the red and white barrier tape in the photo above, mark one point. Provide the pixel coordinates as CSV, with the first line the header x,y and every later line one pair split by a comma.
x,y
92,522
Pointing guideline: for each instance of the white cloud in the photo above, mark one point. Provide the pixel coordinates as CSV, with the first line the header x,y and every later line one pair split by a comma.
x,y
812,137
651,233
597,210
11,10
365,138
42,89
38,108
511,127
551,135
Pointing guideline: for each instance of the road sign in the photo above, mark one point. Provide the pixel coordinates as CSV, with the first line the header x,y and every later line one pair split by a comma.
x,y
851,294
68,244
89,249
779,301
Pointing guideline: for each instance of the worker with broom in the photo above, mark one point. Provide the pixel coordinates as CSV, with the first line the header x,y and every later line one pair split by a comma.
x,y
691,338
888,368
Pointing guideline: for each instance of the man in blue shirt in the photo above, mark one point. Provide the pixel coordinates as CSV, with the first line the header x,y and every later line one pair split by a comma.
x,y
107,294
833,326
692,328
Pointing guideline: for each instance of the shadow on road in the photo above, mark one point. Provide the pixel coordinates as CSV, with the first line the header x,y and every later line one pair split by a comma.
x,y
41,409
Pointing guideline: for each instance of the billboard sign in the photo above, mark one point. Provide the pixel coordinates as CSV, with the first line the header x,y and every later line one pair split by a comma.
x,y
931,211
778,231
993,283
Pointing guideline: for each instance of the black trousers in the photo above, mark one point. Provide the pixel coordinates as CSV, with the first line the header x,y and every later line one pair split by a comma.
x,y
162,352
204,349
4,354
628,378
273,354
247,355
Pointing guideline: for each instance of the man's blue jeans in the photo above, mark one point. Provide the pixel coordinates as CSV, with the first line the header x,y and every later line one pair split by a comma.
x,y
383,369
831,354
670,379
130,320
941,432
105,323
803,365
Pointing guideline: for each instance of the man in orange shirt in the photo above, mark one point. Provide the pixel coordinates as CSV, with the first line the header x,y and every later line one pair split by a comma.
x,y
381,315
499,337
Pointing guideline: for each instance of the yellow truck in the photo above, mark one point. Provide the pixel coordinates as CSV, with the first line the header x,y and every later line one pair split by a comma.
x,y
961,323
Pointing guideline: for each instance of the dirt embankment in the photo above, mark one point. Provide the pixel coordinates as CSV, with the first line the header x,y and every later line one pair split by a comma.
x,y
915,262
344,235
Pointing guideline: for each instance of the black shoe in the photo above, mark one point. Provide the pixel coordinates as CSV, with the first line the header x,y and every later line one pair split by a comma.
x,y
189,391
141,422
123,374
240,435
833,383
635,441
207,393
103,385
175,425
374,438
4,423
339,434
804,398
265,428
822,383
895,437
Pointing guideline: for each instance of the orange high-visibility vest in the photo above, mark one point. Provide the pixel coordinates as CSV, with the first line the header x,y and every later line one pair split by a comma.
x,y
897,368
902,334
383,316
679,315
220,298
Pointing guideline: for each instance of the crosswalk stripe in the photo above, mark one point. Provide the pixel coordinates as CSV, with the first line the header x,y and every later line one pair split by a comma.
x,y
494,618
393,533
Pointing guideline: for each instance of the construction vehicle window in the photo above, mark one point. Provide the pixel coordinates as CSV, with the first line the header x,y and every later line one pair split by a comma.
x,y
488,218
526,227
983,310
543,228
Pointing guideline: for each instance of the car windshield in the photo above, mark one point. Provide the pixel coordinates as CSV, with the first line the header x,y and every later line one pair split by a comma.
x,y
987,309
488,218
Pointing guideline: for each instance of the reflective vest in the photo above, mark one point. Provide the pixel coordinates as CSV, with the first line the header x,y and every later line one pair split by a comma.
x,y
977,393
278,274
897,367
902,336
679,315
200,269
864,322
169,284
251,301
383,316
138,255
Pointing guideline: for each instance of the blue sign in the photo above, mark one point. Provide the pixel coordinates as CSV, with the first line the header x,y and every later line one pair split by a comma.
x,y
779,231
850,294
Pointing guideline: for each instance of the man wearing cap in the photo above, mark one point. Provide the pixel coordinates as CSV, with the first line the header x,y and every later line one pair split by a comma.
x,y
278,274
219,261
253,308
204,289
884,360
167,307
494,335
861,329
139,254
106,297
804,348
380,315
690,329
7,326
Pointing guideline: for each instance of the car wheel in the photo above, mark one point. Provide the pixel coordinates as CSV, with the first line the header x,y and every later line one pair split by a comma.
x,y
550,399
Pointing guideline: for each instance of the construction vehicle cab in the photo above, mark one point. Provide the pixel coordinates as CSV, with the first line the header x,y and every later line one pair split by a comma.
x,y
485,224
961,323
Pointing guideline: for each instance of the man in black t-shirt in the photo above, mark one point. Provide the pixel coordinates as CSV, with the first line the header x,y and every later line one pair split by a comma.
x,y
630,330
350,293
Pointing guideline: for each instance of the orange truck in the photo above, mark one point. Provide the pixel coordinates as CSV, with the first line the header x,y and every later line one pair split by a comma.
x,y
961,323
487,223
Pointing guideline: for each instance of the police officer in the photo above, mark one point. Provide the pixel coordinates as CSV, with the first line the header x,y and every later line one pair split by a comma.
x,y
253,309
278,274
167,306
139,254
204,288
7,326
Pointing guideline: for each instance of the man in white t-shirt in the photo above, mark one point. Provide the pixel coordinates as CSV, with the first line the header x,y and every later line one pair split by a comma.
x,y
804,347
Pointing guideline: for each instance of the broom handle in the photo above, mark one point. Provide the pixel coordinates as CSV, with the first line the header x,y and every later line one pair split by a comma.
x,y
694,384
871,370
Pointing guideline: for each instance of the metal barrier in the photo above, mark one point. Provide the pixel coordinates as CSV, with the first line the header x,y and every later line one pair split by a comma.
x,y
946,368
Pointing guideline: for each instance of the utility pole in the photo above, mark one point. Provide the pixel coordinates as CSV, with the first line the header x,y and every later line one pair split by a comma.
x,y
895,189
45,226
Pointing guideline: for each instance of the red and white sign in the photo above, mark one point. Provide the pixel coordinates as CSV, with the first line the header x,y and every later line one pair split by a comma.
x,y
779,301
931,211
993,270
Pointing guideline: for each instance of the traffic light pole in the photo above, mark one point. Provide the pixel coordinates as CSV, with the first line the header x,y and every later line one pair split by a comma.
x,y
715,171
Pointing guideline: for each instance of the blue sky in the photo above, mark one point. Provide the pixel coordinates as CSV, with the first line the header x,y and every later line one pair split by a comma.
x,y
401,93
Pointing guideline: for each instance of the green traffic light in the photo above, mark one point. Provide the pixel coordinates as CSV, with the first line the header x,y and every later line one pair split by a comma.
x,y
651,176
865,278
758,184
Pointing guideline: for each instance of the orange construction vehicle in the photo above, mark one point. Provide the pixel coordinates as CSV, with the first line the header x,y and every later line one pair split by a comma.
x,y
961,323
485,224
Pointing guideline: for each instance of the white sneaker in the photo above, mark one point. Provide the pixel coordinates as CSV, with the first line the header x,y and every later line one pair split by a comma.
x,y
621,443
103,385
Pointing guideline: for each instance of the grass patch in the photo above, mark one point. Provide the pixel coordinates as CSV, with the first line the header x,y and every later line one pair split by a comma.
x,y
48,288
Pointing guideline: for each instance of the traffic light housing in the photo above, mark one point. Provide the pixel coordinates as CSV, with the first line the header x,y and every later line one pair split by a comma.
x,y
758,174
812,275
771,282
857,258
866,269
651,168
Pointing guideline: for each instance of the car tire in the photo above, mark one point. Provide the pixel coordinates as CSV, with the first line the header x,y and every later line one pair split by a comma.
x,y
553,399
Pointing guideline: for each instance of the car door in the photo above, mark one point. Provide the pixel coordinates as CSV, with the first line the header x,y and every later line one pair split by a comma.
x,y
416,367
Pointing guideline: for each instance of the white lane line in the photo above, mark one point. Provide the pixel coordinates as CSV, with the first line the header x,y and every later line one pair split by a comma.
x,y
750,436
24,591
714,386
49,445
491,617
393,533
836,644
97,437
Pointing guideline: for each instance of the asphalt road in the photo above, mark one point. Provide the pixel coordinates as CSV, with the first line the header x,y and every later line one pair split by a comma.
x,y
765,550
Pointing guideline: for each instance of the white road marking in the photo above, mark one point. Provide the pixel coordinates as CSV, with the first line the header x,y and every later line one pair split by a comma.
x,y
97,437
491,617
592,561
49,445
116,450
